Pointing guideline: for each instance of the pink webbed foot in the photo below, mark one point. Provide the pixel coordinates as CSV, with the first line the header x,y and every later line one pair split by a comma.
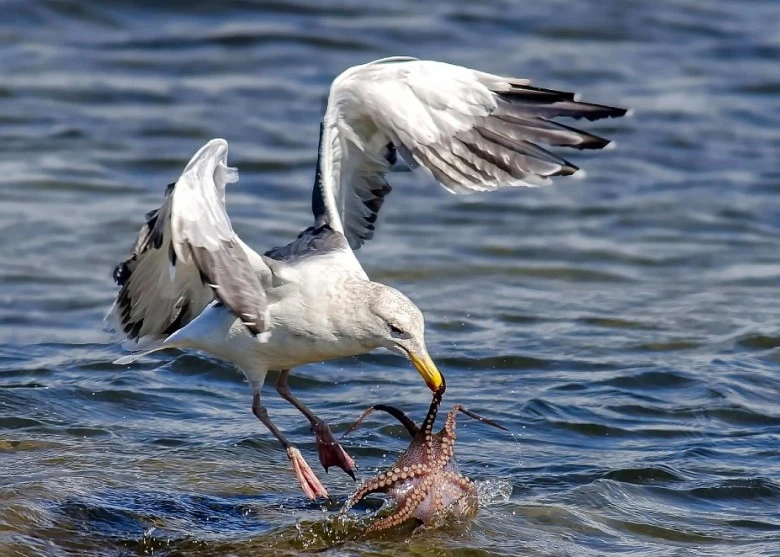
x,y
330,451
310,484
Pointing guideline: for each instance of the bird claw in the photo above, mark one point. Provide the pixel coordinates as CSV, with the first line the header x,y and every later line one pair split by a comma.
x,y
330,451
310,484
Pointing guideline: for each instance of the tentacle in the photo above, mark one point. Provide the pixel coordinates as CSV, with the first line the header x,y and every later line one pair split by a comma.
x,y
433,409
461,492
447,434
427,426
471,414
405,511
374,485
398,414
462,481
383,482
410,425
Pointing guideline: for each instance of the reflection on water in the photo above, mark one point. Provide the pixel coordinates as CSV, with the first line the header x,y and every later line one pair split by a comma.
x,y
623,326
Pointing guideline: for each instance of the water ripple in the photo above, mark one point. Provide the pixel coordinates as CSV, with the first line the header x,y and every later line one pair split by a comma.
x,y
622,327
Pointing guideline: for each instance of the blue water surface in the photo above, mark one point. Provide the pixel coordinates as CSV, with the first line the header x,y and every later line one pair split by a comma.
x,y
624,327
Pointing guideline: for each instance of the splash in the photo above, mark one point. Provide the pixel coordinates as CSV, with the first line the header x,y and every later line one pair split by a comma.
x,y
493,491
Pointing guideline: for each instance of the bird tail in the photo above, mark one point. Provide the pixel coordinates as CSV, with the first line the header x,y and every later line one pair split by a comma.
x,y
144,348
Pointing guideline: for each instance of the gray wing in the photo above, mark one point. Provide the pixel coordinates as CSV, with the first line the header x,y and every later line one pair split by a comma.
x,y
471,130
321,238
315,240
187,254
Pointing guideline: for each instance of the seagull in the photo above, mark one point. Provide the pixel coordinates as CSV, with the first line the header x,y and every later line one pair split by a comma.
x,y
192,283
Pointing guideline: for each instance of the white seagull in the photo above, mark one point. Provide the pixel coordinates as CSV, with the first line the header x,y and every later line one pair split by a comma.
x,y
192,283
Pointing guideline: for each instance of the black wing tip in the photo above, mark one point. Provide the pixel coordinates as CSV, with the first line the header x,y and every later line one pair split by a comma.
x,y
599,111
588,140
150,236
566,170
593,142
619,112
132,329
539,94
122,272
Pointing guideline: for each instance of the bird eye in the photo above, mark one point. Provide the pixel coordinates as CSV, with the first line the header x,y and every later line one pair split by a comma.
x,y
395,330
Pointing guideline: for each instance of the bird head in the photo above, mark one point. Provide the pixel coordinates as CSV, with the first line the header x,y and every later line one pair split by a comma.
x,y
399,326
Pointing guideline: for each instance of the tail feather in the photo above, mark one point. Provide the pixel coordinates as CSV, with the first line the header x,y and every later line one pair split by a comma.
x,y
131,358
142,348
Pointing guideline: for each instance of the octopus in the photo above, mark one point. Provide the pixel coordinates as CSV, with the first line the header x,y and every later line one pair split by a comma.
x,y
425,481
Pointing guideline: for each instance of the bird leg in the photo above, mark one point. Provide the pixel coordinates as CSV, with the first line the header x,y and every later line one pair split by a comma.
x,y
329,450
310,484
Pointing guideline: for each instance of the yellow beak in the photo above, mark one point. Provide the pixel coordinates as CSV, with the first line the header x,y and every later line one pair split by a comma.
x,y
428,370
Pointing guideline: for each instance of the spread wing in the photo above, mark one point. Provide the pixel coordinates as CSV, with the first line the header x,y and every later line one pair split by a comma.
x,y
471,130
187,255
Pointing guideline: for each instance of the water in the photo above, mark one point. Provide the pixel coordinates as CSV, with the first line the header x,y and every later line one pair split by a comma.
x,y
625,327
